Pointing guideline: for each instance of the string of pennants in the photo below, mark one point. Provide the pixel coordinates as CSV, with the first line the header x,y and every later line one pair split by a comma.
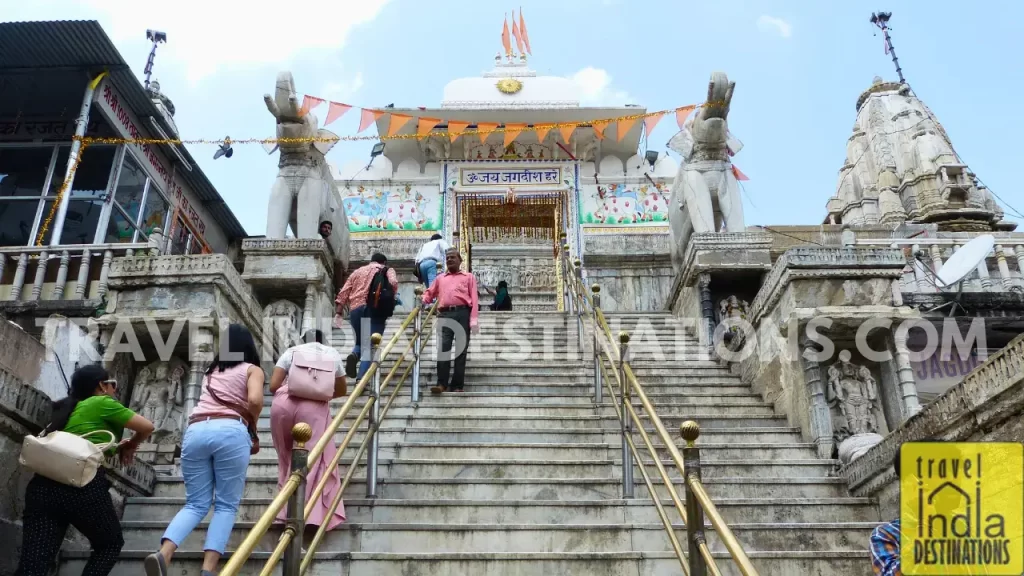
x,y
456,128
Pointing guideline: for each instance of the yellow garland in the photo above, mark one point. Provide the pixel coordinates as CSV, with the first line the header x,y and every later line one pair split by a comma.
x,y
381,137
86,141
60,194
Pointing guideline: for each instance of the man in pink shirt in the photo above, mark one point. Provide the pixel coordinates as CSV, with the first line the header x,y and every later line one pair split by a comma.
x,y
458,309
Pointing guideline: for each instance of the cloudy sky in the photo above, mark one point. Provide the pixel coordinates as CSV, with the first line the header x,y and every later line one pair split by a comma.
x,y
799,67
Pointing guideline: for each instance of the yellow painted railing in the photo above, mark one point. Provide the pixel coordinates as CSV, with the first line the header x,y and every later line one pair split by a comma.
x,y
292,494
611,366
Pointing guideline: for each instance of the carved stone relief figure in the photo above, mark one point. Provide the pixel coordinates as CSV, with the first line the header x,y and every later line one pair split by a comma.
x,y
285,319
853,392
158,395
732,311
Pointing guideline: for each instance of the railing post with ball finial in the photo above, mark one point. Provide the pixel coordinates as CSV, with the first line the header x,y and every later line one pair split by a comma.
x,y
301,433
578,294
598,390
373,422
418,339
626,423
690,431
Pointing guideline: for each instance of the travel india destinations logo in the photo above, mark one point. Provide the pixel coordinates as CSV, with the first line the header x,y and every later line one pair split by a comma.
x,y
962,508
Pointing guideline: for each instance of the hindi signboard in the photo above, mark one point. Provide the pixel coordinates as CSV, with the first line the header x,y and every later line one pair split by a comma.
x,y
505,177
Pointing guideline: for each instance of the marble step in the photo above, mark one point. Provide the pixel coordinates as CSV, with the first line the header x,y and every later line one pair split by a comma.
x,y
438,537
361,510
543,489
646,563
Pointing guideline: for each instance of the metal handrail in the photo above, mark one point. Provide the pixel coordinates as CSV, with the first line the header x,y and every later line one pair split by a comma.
x,y
699,561
289,494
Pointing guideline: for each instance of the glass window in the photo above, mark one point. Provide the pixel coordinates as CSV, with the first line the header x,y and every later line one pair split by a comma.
x,y
131,186
80,222
154,213
16,219
92,174
23,170
119,229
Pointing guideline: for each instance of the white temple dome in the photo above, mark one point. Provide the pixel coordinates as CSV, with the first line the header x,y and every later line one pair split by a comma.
x,y
511,85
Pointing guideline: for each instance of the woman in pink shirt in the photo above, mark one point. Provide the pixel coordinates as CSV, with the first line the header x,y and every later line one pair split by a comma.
x,y
215,451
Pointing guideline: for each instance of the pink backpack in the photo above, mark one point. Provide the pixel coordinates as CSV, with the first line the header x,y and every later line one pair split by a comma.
x,y
311,376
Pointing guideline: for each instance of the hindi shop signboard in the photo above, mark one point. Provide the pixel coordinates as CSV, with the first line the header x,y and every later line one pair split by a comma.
x,y
506,177
153,161
935,375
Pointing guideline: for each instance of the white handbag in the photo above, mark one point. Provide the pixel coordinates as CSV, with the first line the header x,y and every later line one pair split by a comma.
x,y
63,457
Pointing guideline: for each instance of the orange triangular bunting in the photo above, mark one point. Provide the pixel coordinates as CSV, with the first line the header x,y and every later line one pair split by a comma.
x,y
511,131
566,132
599,126
651,121
542,132
485,128
308,103
456,128
368,117
336,110
623,127
425,125
682,113
739,175
397,121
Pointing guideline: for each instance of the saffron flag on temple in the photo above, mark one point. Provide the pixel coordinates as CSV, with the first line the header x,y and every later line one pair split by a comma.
x,y
511,131
566,132
425,125
682,113
397,121
599,126
485,128
739,175
522,32
542,131
456,128
651,121
623,126
308,103
336,110
504,39
368,117
515,33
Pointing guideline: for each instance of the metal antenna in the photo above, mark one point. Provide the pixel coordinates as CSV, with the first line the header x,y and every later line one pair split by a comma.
x,y
881,19
155,37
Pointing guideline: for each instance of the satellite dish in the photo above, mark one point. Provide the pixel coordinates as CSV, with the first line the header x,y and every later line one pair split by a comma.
x,y
965,260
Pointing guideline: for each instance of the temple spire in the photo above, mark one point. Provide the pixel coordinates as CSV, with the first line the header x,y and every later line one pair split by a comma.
x,y
881,19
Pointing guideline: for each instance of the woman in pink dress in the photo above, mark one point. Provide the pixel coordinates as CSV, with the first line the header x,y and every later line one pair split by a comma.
x,y
288,410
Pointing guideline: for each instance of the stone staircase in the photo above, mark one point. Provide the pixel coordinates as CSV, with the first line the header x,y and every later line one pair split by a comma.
x,y
520,475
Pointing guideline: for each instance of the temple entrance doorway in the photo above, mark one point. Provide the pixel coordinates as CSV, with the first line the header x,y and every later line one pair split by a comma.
x,y
515,239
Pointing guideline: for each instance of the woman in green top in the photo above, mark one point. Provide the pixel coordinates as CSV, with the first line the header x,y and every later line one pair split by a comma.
x,y
51,506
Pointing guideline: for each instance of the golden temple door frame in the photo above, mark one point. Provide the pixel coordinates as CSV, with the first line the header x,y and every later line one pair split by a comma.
x,y
511,215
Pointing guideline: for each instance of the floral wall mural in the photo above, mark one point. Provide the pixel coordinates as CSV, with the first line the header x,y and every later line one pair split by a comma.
x,y
624,204
402,207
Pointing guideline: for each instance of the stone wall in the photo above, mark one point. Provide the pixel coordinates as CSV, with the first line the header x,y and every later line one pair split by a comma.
x,y
987,406
634,270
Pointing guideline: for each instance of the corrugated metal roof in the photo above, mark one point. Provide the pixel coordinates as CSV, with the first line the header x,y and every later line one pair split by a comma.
x,y
27,46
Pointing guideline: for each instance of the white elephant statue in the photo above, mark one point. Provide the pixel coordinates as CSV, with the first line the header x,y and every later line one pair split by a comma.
x,y
705,195
304,193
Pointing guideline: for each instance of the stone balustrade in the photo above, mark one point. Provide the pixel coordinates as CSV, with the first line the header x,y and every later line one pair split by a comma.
x,y
74,265
999,272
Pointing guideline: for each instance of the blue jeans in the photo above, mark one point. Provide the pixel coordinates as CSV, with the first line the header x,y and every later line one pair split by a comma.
x,y
214,456
359,319
428,271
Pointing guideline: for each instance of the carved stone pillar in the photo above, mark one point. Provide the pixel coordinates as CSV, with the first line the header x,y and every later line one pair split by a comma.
x,y
820,417
309,309
201,353
1019,253
936,253
983,276
707,309
908,386
923,283
1004,269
